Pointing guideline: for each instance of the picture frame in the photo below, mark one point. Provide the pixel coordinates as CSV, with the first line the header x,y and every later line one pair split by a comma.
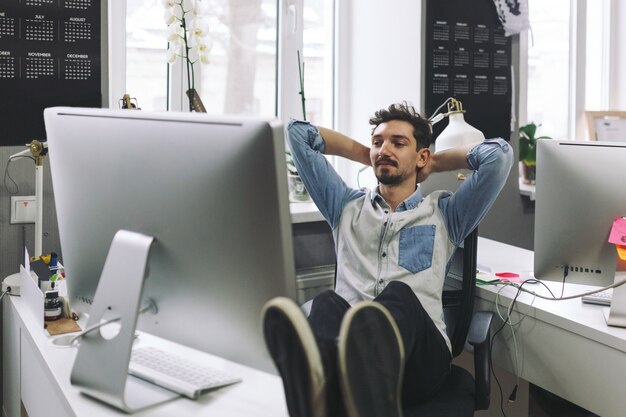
x,y
606,125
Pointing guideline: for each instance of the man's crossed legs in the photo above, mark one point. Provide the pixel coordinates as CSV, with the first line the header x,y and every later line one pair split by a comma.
x,y
373,359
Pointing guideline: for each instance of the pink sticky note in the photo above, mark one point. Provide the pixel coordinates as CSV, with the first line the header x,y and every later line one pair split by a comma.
x,y
618,231
509,277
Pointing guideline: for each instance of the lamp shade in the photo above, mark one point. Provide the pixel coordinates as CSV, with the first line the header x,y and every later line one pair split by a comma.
x,y
457,133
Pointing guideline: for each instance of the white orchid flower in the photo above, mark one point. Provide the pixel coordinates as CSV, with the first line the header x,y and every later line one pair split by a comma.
x,y
174,33
169,17
171,55
194,54
199,28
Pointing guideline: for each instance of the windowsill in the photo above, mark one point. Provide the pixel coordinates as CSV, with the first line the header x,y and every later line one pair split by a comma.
x,y
527,189
305,213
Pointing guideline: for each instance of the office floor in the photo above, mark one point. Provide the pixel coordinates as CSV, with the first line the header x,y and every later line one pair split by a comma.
x,y
545,404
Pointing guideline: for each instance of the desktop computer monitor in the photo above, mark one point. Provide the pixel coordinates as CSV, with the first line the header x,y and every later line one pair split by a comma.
x,y
212,191
580,192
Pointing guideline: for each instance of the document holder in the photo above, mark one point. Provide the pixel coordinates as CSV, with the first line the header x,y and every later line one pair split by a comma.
x,y
101,366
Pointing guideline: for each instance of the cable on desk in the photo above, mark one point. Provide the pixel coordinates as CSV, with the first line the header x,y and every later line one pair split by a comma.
x,y
507,319
570,297
565,274
150,306
520,288
7,292
493,337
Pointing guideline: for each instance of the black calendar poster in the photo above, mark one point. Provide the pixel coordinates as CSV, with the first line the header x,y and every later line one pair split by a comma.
x,y
468,57
50,55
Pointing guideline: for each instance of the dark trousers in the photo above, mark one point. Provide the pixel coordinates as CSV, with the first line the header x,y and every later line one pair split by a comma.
x,y
427,358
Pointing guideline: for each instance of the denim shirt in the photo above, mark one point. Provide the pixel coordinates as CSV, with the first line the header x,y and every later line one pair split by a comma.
x,y
414,244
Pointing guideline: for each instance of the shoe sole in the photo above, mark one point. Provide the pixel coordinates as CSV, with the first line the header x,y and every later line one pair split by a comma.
x,y
305,398
374,323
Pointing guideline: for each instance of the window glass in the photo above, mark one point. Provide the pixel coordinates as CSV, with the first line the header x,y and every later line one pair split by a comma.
x,y
548,66
146,44
240,77
317,40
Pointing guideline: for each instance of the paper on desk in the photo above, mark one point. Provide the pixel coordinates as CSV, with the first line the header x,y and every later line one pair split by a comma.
x,y
618,236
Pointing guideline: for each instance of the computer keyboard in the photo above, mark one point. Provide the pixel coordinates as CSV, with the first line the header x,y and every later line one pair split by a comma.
x,y
602,298
175,373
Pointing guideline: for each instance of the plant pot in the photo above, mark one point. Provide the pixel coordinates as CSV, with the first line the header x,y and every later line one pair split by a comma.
x,y
297,192
528,173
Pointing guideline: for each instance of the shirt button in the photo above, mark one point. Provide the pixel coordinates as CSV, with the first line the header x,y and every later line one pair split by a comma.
x,y
386,211
384,254
380,281
385,224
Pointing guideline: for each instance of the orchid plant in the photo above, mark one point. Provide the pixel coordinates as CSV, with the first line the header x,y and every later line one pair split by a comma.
x,y
187,36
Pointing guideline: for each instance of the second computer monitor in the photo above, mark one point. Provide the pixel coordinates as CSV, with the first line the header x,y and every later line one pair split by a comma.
x,y
580,192
212,191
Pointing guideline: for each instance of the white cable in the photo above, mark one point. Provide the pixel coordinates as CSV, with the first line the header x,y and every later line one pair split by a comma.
x,y
432,118
571,297
507,319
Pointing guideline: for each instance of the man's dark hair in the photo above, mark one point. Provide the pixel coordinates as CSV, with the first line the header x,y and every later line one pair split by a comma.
x,y
406,112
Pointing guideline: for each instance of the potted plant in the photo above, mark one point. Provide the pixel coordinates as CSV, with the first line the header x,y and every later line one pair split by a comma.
x,y
528,151
297,191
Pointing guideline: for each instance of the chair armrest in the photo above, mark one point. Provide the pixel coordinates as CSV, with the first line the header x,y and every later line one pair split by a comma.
x,y
478,336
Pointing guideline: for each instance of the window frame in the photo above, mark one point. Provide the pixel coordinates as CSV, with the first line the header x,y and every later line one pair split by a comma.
x,y
289,40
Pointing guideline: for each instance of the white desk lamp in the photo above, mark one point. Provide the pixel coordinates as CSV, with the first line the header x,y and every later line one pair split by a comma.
x,y
38,151
458,132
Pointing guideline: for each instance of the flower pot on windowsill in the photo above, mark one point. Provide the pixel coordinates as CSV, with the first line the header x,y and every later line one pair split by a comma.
x,y
528,172
297,192
528,152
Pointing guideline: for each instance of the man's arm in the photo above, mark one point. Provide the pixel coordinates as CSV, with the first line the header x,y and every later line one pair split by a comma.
x,y
449,160
492,161
329,192
341,145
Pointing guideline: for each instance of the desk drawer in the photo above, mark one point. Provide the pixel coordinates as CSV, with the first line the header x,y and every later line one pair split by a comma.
x,y
40,392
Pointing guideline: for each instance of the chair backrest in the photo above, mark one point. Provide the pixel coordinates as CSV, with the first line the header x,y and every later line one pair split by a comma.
x,y
458,294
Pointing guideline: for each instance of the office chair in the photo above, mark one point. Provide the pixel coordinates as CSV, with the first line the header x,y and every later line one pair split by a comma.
x,y
462,394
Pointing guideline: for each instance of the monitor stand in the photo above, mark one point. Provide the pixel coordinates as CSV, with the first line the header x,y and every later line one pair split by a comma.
x,y
616,314
101,366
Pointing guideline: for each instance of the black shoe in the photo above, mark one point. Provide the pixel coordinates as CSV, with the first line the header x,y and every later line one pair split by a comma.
x,y
371,362
291,344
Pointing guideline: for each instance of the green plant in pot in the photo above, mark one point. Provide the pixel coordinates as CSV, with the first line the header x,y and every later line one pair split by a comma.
x,y
528,151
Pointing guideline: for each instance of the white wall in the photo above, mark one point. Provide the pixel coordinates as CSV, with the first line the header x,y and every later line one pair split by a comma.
x,y
617,98
379,63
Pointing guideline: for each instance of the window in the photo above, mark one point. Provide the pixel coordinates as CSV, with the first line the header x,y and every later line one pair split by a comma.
x,y
567,65
242,76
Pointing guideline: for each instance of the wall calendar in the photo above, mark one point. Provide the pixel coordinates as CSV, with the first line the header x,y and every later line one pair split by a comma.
x,y
50,55
467,56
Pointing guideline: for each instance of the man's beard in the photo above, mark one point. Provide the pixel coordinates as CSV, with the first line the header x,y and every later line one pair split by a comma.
x,y
386,178
389,179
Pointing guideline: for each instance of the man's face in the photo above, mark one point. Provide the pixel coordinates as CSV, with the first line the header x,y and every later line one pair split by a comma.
x,y
394,153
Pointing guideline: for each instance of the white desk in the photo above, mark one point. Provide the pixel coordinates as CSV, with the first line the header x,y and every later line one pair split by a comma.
x,y
565,346
305,212
38,374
